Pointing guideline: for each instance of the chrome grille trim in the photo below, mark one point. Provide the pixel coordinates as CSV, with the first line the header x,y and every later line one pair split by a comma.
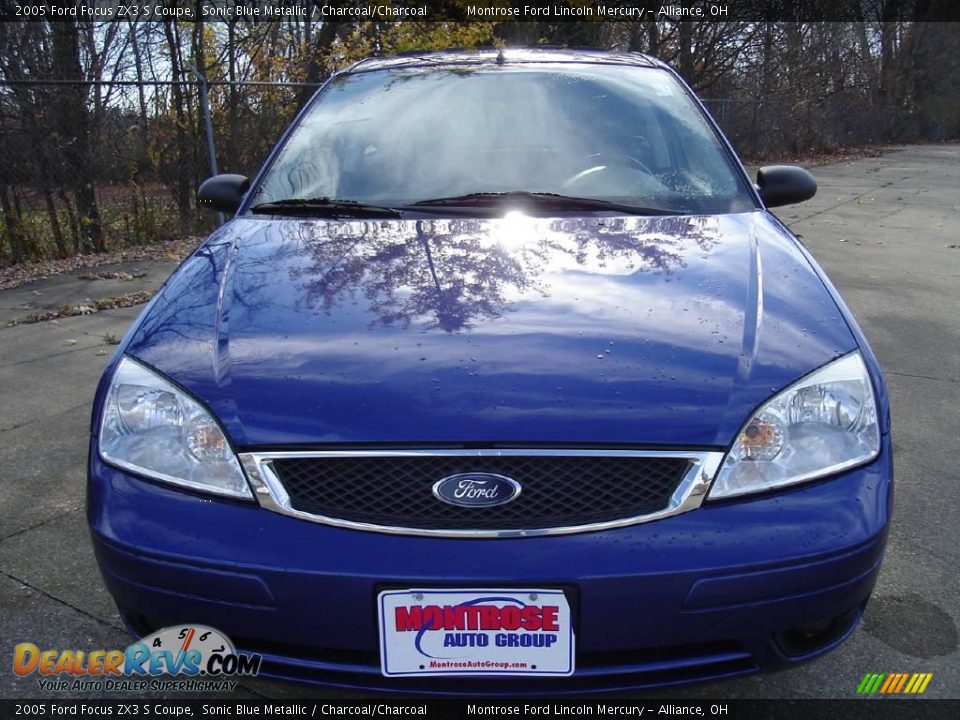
x,y
689,495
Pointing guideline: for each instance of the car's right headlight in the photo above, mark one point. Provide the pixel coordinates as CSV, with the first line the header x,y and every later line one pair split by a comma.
x,y
153,428
820,425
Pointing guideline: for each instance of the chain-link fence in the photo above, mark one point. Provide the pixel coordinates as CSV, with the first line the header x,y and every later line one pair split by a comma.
x,y
798,125
739,119
124,171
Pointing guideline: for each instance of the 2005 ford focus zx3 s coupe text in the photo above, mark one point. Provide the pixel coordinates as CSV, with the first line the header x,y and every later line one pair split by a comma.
x,y
502,379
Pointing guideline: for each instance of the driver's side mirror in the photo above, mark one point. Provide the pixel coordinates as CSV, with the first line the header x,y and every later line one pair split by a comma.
x,y
785,185
223,192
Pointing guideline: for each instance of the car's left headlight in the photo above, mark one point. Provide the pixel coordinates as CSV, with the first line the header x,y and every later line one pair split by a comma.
x,y
825,423
153,428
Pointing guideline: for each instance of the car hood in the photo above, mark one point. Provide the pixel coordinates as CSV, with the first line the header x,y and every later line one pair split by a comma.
x,y
516,330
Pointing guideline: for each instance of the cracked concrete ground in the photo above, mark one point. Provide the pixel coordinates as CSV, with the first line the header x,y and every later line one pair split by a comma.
x,y
882,228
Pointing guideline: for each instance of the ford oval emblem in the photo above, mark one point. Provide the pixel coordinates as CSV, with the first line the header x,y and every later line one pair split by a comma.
x,y
476,489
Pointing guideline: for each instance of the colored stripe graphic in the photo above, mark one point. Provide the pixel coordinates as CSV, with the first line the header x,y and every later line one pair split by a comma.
x,y
892,680
894,683
870,683
918,683
903,681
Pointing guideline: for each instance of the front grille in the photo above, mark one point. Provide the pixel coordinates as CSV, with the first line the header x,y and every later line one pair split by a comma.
x,y
558,491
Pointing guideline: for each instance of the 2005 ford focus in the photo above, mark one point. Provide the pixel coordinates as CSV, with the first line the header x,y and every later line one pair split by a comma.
x,y
503,379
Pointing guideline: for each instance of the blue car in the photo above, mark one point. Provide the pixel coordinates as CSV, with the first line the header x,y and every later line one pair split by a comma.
x,y
501,379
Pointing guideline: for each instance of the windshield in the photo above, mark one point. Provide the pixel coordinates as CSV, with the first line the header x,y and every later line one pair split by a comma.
x,y
395,137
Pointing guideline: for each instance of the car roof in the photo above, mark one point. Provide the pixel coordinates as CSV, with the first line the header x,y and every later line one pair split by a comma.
x,y
505,56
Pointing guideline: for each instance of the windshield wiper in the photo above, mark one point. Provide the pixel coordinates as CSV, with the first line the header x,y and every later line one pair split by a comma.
x,y
325,207
543,200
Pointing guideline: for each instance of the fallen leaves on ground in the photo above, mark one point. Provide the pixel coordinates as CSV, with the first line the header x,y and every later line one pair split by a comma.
x,y
87,307
815,158
125,276
174,250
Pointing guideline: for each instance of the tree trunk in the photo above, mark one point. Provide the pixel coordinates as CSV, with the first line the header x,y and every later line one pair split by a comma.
x,y
73,125
12,224
143,152
316,70
685,51
233,101
55,224
200,63
72,220
182,185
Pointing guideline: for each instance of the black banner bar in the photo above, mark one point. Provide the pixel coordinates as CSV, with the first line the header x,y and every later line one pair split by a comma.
x,y
854,709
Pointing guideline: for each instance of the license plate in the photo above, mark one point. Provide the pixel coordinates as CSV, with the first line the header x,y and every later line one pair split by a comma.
x,y
475,632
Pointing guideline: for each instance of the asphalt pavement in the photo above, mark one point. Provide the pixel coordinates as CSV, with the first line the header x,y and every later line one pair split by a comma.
x,y
887,231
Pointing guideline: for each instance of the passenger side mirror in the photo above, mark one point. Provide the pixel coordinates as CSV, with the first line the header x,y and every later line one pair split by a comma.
x,y
785,185
223,192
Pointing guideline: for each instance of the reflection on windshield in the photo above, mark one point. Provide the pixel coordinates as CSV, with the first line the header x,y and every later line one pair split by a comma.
x,y
394,137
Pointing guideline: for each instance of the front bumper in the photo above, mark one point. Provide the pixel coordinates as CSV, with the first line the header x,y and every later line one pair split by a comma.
x,y
713,593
